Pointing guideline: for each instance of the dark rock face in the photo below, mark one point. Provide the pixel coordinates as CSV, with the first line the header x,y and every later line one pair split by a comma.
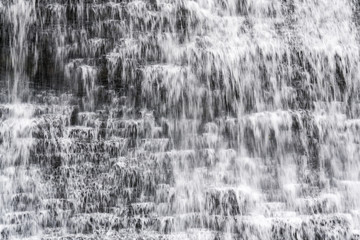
x,y
216,119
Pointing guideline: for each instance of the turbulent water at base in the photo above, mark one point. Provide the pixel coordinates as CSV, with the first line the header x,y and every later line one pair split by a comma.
x,y
180,119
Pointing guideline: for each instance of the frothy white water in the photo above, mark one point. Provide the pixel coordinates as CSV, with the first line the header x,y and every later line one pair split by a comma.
x,y
190,119
18,180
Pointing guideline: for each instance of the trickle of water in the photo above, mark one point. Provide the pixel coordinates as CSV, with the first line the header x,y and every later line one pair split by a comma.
x,y
19,16
169,119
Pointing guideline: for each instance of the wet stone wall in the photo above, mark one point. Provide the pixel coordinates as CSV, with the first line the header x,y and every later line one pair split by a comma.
x,y
179,119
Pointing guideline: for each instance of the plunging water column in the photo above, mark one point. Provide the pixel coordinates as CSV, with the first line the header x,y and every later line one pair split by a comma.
x,y
179,119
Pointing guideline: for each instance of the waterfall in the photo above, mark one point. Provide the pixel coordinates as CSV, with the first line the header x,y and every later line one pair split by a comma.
x,y
19,16
179,119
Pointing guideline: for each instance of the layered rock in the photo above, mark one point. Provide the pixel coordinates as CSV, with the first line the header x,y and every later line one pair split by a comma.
x,y
173,119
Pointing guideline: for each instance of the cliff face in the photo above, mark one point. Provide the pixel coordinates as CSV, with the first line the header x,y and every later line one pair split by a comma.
x,y
179,119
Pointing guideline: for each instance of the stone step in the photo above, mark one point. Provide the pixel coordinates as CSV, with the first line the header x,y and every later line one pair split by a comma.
x,y
113,147
271,209
33,221
324,204
25,202
124,234
230,201
89,223
82,133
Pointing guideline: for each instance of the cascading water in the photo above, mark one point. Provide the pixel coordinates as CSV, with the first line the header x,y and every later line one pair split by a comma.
x,y
18,16
179,119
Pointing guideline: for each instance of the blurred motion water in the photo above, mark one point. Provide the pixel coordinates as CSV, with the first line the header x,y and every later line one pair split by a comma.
x,y
179,119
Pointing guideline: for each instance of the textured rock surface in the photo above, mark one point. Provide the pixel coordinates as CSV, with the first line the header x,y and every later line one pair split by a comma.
x,y
179,119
